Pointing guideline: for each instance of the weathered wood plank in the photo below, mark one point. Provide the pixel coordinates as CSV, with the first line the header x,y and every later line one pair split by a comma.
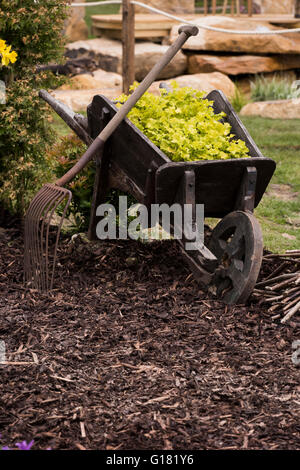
x,y
217,182
101,182
246,196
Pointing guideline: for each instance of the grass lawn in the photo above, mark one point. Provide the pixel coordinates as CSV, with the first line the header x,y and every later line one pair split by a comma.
x,y
279,218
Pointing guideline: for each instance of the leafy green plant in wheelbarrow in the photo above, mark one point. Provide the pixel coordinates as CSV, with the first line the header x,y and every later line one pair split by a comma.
x,y
225,171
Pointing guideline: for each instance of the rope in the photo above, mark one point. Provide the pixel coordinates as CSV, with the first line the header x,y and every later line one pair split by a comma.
x,y
262,32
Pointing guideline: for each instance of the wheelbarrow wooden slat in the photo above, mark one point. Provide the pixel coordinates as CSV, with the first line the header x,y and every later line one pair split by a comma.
x,y
217,182
220,103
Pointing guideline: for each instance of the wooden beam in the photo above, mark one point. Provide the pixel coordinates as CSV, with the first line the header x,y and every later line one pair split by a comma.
x,y
232,7
214,7
128,43
250,7
225,4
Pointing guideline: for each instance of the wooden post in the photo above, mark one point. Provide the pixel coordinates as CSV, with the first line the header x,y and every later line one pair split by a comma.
x,y
238,7
205,7
128,41
214,6
224,7
297,8
250,7
232,7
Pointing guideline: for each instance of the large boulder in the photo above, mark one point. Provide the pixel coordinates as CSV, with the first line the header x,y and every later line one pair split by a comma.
x,y
80,89
108,55
78,100
276,6
281,109
216,41
75,26
99,79
202,82
242,64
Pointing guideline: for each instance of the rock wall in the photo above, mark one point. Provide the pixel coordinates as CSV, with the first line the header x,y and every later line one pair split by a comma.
x,y
226,42
107,54
170,6
75,27
276,6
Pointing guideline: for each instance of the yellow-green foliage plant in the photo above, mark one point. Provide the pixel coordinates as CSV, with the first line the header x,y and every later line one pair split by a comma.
x,y
183,125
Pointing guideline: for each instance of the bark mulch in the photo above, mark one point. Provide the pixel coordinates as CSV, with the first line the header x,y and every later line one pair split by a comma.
x,y
128,353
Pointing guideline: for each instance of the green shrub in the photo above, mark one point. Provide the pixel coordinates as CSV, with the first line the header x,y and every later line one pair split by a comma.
x,y
278,88
33,29
183,125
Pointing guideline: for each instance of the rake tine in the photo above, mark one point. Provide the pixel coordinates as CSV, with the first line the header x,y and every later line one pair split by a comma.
x,y
35,266
55,205
46,238
50,206
43,244
36,258
58,234
32,222
39,211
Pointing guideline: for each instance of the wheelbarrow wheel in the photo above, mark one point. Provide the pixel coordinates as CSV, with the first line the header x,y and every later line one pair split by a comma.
x,y
238,245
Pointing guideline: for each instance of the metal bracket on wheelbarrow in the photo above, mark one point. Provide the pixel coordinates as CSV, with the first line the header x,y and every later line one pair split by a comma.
x,y
229,263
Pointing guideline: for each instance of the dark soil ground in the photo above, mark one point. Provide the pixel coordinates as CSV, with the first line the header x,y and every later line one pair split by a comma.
x,y
128,355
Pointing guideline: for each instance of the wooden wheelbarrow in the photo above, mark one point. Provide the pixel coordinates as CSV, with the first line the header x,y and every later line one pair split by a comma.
x,y
229,189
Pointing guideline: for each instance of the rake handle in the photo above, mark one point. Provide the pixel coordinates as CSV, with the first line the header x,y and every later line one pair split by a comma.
x,y
184,33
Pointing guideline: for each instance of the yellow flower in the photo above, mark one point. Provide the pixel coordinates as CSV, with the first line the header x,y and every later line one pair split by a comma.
x,y
13,57
2,44
7,55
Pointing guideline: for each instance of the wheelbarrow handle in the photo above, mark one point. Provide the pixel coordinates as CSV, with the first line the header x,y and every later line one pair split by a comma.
x,y
184,33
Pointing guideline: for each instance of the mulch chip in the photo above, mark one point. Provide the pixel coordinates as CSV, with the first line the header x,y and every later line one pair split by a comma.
x,y
128,353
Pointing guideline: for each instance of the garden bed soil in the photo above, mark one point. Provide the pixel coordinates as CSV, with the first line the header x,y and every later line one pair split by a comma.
x,y
128,353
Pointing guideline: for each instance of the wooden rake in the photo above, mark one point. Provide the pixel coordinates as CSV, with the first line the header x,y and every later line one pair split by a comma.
x,y
51,196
